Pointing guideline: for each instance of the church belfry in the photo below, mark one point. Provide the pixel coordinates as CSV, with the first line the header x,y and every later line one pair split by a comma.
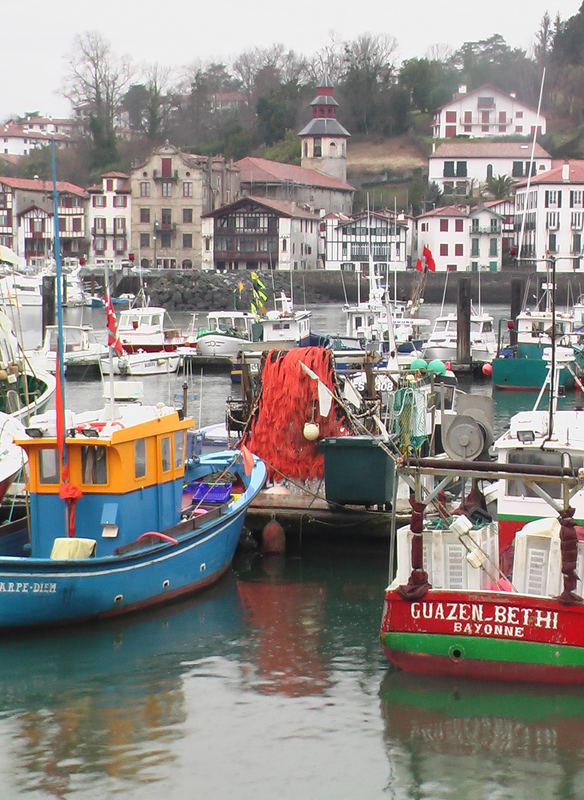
x,y
324,140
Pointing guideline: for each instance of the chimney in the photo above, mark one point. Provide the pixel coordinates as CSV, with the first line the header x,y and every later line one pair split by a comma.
x,y
513,95
566,172
462,88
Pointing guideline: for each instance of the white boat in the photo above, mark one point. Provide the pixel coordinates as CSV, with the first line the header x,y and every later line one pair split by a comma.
x,y
13,459
80,348
146,330
140,364
227,332
18,289
442,343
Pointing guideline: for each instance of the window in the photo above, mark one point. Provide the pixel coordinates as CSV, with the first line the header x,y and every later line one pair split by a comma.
x,y
576,220
120,226
145,215
468,117
120,245
165,455
443,249
451,116
144,240
99,244
448,171
474,247
489,172
48,465
424,227
461,169
519,129
552,246
166,216
62,224
317,147
519,114
577,243
187,189
576,199
517,169
140,458
459,225
207,243
188,241
93,464
553,199
284,245
144,189
448,187
493,247
100,225
120,201
109,185
99,201
166,167
165,239
166,188
179,448
76,225
187,214
458,250
444,225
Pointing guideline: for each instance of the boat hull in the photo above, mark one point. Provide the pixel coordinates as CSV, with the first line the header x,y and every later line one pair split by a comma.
x,y
525,374
140,364
485,635
45,592
215,345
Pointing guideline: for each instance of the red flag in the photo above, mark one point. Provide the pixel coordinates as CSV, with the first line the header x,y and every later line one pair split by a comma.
x,y
430,263
111,324
419,265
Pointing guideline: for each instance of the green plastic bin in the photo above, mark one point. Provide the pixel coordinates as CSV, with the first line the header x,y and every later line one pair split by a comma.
x,y
357,471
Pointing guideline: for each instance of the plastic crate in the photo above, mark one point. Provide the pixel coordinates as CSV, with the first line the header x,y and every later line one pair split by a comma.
x,y
210,492
357,470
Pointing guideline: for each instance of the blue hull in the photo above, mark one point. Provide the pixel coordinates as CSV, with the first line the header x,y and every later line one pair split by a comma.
x,y
38,592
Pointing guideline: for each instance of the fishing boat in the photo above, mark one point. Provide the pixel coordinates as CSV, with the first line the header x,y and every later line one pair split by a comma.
x,y
118,533
442,342
81,349
145,329
452,610
139,364
226,333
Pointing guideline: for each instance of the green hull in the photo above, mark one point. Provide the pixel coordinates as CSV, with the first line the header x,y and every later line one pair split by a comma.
x,y
525,374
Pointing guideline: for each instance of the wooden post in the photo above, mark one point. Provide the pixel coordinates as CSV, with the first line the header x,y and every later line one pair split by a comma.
x,y
463,321
48,308
517,290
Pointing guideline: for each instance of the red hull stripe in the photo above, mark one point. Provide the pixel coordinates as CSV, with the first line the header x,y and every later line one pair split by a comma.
x,y
420,664
493,658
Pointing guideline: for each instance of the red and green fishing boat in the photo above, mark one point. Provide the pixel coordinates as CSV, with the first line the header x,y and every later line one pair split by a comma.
x,y
454,609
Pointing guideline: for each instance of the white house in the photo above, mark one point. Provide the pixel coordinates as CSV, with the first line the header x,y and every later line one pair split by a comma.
x,y
486,111
348,242
461,239
18,139
461,168
549,219
255,233
110,217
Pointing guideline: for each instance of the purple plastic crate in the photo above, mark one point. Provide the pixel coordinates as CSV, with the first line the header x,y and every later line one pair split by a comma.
x,y
210,492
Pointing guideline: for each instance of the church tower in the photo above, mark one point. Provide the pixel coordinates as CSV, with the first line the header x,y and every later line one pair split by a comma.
x,y
324,140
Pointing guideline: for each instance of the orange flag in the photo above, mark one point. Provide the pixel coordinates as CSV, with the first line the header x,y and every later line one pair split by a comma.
x,y
248,460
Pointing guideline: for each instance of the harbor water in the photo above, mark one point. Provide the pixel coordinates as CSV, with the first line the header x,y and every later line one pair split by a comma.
x,y
270,684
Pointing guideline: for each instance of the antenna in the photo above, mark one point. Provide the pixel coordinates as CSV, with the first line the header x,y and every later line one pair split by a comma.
x,y
520,244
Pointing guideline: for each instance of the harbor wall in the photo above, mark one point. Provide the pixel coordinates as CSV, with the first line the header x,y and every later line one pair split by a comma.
x,y
202,291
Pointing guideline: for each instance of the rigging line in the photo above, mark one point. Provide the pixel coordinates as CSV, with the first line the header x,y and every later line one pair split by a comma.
x,y
520,243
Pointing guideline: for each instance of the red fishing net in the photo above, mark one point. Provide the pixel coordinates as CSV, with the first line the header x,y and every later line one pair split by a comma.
x,y
288,400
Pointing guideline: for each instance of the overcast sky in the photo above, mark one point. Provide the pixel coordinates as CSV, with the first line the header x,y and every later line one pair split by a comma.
x,y
38,36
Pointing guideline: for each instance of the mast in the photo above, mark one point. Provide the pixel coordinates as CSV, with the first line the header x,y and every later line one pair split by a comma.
x,y
60,397
530,167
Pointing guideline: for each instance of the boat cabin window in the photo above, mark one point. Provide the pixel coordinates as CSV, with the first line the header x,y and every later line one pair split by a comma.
x,y
179,448
537,457
140,458
165,453
441,326
94,464
484,326
48,465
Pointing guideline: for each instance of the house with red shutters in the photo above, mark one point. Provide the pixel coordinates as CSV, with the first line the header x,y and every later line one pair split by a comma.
x,y
486,112
461,238
109,217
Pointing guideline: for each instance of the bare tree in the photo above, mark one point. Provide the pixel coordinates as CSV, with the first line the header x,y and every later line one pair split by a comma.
x,y
97,82
327,64
439,51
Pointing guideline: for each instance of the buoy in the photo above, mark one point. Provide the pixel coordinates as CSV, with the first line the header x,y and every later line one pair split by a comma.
x,y
310,431
437,367
487,369
273,538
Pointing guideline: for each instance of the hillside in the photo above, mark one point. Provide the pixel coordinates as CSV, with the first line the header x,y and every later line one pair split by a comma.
x,y
399,155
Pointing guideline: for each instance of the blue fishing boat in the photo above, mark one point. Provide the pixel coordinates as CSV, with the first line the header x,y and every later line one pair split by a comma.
x,y
112,528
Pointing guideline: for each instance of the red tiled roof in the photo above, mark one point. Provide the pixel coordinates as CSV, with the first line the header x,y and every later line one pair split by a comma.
x,y
262,170
114,174
473,149
555,175
279,206
37,185
445,211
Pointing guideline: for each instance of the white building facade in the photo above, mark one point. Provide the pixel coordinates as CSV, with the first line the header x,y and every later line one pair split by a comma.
x,y
462,168
461,239
348,243
549,218
110,217
486,112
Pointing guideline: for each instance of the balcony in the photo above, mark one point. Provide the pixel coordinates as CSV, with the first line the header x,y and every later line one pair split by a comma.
x,y
156,176
486,230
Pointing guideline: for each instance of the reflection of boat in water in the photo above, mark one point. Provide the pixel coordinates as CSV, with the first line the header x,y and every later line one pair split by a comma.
x,y
446,738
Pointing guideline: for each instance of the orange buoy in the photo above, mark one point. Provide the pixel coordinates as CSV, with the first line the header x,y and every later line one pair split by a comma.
x,y
273,538
487,370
